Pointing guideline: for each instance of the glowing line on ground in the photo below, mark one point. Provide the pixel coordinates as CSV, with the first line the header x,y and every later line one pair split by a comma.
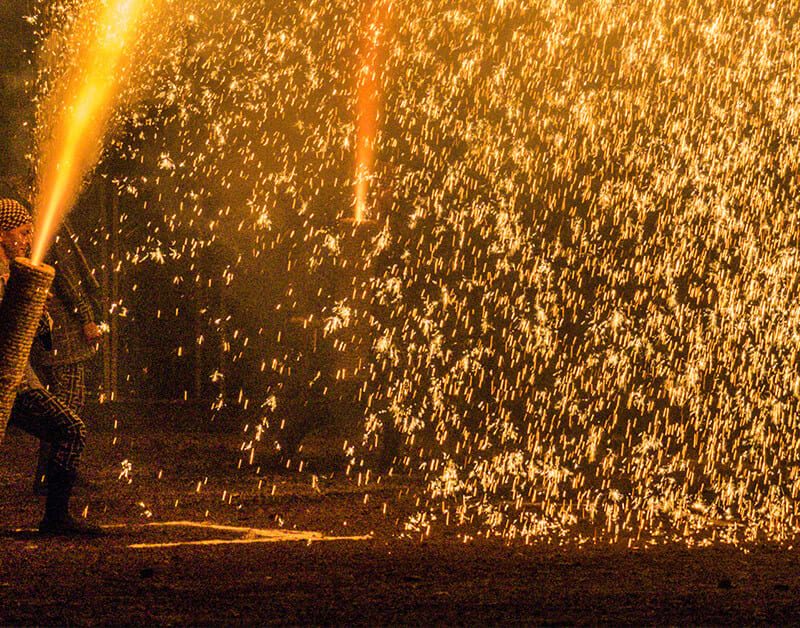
x,y
287,538
256,535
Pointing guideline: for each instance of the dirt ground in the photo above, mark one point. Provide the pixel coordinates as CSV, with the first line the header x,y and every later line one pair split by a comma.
x,y
254,559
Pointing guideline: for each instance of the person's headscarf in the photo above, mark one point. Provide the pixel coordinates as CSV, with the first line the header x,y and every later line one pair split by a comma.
x,y
12,214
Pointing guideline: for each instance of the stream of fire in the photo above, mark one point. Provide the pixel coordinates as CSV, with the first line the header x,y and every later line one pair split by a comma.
x,y
80,103
368,103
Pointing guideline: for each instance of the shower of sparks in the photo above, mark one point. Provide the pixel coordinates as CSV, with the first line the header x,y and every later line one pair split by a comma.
x,y
579,314
81,106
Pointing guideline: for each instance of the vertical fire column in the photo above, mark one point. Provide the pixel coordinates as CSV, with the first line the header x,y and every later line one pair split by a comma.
x,y
20,312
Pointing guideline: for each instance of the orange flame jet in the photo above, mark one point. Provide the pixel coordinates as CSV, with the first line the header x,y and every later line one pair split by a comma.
x,y
87,94
368,103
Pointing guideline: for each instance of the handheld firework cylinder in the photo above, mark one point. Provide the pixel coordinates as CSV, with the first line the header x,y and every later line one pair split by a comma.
x,y
20,312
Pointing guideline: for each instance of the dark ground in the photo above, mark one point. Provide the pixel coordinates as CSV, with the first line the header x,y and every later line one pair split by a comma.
x,y
382,580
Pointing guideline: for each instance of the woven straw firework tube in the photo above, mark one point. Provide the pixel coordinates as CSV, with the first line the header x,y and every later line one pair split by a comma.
x,y
20,312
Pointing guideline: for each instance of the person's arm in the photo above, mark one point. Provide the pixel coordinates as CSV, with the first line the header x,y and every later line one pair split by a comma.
x,y
67,286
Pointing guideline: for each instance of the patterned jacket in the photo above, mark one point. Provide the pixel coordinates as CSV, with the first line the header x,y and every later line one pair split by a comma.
x,y
70,309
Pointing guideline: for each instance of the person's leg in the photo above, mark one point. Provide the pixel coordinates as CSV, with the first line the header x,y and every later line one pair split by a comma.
x,y
67,383
41,414
48,376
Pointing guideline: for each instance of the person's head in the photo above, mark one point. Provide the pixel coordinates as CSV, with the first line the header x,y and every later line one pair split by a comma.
x,y
16,229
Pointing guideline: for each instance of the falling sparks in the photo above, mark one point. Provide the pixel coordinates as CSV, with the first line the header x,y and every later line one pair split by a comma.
x,y
576,313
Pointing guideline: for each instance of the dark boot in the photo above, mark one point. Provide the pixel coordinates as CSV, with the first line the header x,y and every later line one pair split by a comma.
x,y
57,519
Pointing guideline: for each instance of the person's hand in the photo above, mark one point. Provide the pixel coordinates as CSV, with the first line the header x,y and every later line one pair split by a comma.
x,y
92,332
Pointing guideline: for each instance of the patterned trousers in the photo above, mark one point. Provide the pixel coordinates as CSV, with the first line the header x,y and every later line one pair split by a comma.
x,y
42,415
67,382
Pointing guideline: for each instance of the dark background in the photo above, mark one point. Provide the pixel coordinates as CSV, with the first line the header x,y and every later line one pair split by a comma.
x,y
16,109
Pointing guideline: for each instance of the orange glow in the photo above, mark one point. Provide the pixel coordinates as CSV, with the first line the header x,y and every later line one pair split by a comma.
x,y
87,94
368,104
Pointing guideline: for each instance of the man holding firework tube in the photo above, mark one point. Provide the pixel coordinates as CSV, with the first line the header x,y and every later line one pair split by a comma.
x,y
35,410
62,367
